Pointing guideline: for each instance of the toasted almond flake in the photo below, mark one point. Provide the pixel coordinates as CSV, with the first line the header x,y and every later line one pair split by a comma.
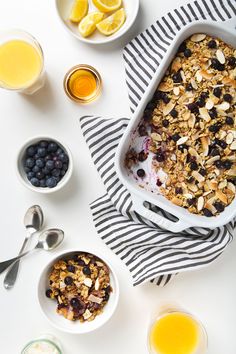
x,y
229,138
194,84
176,65
156,137
223,106
177,201
212,160
205,145
173,157
198,76
232,172
222,184
96,299
198,176
232,187
87,314
176,91
97,284
99,264
233,145
168,108
220,56
198,37
206,75
183,76
164,87
188,195
220,195
222,134
213,185
233,132
192,187
192,121
204,114
209,104
229,82
182,140
88,282
200,203
206,193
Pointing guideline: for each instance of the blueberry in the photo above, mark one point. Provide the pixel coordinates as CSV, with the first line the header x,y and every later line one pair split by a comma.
x,y
227,164
40,163
30,162
48,157
35,169
106,297
175,137
86,270
39,175
160,157
59,151
36,156
58,164
174,113
48,293
207,212
51,182
142,131
68,280
43,183
141,173
217,92
187,53
182,47
75,303
215,127
212,112
212,44
45,171
35,182
219,206
50,164
71,268
63,157
142,156
43,144
229,121
232,62
65,166
42,152
52,147
31,150
217,65
177,78
193,166
189,87
227,97
30,175
63,172
165,123
55,172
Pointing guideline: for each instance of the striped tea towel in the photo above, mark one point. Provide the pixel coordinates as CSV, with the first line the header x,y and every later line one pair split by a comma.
x,y
150,253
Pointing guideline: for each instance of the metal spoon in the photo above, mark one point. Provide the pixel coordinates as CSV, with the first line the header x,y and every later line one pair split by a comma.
x,y
33,221
48,240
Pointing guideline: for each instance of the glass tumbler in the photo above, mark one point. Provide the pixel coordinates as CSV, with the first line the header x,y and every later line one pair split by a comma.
x,y
46,343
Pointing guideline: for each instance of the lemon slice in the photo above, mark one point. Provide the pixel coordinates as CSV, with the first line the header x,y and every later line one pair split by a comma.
x,y
79,10
107,5
112,23
88,24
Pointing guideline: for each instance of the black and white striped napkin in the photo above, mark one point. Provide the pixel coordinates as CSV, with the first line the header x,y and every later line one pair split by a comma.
x,y
150,253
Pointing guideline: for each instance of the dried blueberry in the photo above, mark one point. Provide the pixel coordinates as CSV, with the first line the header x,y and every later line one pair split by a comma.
x,y
202,171
86,270
147,115
212,112
219,164
158,182
160,157
232,62
214,151
217,65
189,87
193,166
165,123
200,102
187,53
227,97
48,293
174,113
219,206
177,78
71,268
192,201
207,212
175,137
227,164
75,303
178,190
217,92
165,98
151,105
142,130
229,120
141,173
193,107
182,147
215,127
212,44
182,47
142,156
205,94
68,280
106,297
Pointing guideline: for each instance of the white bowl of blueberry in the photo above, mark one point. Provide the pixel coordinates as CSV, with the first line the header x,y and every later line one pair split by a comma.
x,y
44,164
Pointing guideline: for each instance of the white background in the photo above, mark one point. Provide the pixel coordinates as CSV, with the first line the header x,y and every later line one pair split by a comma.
x,y
209,293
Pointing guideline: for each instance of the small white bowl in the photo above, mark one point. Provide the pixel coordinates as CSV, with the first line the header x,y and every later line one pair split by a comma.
x,y
63,10
20,166
48,306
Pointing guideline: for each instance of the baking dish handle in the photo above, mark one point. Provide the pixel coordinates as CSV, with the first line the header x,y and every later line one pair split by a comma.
x,y
158,219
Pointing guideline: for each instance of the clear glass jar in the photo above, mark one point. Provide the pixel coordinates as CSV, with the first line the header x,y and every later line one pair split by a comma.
x,y
45,344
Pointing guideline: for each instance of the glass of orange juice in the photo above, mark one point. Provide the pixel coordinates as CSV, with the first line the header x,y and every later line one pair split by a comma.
x,y
21,62
175,331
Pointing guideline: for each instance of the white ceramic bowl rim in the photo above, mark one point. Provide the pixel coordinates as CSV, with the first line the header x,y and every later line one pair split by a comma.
x,y
59,321
21,173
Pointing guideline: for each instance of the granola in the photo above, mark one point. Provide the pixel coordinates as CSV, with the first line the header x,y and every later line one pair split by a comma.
x,y
81,286
189,129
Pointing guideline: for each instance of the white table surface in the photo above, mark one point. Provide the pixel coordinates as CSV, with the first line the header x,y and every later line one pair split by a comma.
x,y
209,293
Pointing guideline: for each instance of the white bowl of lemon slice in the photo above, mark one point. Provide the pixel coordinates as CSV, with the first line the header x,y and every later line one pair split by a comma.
x,y
97,21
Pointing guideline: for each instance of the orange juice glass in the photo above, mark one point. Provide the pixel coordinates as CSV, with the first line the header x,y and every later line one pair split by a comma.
x,y
176,332
21,62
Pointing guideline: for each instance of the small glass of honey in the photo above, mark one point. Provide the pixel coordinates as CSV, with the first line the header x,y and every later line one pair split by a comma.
x,y
82,83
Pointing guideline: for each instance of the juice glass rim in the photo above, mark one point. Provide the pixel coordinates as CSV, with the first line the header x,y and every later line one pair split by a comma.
x,y
37,45
38,341
171,311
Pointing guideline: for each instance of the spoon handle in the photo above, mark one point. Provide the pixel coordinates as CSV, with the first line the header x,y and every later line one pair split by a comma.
x,y
11,275
4,265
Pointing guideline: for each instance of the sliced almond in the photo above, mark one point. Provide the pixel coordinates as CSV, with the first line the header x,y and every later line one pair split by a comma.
x,y
176,91
220,195
97,284
209,104
204,114
192,187
223,106
212,160
164,87
232,187
229,138
156,137
211,207
198,37
182,75
173,157
168,108
213,185
198,76
220,56
222,184
177,201
198,176
88,282
194,84
200,203
188,195
229,82
87,314
192,121
182,140
207,75
222,134
233,145
176,65
205,145
96,299
232,172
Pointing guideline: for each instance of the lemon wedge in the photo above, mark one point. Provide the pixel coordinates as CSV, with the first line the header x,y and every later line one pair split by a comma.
x,y
79,10
112,23
107,5
88,24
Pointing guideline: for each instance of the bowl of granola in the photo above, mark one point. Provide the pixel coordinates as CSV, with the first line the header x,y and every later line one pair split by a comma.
x,y
179,151
78,291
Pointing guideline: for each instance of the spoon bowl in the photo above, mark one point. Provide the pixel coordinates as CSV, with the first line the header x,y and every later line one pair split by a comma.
x,y
50,239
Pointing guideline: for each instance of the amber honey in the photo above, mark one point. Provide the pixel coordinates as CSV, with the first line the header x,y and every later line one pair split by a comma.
x,y
82,83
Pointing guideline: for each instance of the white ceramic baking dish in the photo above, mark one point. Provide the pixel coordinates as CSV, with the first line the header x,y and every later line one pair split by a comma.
x,y
227,32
